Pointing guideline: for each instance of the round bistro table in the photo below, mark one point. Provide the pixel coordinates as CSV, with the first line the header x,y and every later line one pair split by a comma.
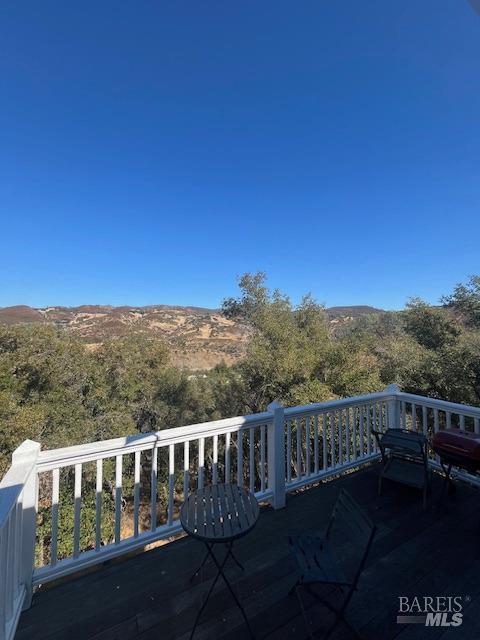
x,y
219,514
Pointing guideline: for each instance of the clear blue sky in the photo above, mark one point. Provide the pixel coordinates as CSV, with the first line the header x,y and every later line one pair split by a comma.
x,y
151,152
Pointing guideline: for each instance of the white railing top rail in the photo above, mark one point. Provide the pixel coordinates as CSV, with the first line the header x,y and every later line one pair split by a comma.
x,y
66,456
343,403
89,452
443,405
14,481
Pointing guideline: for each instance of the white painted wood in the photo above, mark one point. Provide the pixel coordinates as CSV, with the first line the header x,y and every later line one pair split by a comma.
x,y
276,454
4,595
262,458
186,469
436,426
393,407
251,451
425,420
17,555
333,454
324,442
339,417
289,451
336,405
20,484
298,425
215,460
228,447
404,414
441,404
136,493
227,457
67,456
449,419
476,425
171,482
462,421
153,490
55,498
308,444
240,459
98,505
354,432
379,403
369,430
201,462
316,463
347,434
118,497
414,416
77,509
8,568
361,411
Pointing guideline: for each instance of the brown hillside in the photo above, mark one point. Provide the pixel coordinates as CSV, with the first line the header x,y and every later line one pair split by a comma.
x,y
199,338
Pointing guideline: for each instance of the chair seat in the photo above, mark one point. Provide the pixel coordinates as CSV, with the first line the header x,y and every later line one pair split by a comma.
x,y
316,560
405,472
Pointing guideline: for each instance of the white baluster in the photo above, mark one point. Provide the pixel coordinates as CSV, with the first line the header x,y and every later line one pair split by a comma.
x,y
118,497
361,413
153,493
55,498
240,458
324,442
251,451
227,457
333,454
77,509
262,458
299,447
136,494
289,451
171,481
215,460
186,469
201,462
98,504
307,445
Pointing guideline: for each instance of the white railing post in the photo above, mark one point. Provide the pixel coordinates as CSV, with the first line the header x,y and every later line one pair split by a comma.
x,y
393,407
276,454
27,453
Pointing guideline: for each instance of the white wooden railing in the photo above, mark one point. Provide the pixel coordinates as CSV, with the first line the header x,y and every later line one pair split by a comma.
x,y
18,491
270,453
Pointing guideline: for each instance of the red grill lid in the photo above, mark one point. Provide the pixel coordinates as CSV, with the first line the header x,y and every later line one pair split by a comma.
x,y
460,443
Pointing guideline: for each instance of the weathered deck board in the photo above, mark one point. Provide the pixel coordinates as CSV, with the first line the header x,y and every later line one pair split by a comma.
x,y
432,552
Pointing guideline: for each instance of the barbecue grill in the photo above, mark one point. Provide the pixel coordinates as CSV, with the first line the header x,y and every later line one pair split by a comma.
x,y
457,448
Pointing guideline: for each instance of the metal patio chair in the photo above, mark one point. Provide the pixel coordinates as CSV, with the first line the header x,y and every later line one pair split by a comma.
x,y
404,459
319,563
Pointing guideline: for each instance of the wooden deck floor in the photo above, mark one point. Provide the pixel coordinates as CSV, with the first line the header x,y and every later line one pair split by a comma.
x,y
435,553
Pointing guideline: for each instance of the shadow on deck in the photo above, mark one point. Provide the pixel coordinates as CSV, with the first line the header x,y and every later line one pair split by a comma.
x,y
417,553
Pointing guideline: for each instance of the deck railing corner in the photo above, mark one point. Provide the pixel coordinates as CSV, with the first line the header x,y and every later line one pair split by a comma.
x,y
276,454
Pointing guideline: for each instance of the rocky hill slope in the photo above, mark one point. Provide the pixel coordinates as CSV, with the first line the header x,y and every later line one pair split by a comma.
x,y
198,338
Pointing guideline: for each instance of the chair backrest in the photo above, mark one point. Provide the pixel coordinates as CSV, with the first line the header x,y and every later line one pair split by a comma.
x,y
349,517
402,443
349,520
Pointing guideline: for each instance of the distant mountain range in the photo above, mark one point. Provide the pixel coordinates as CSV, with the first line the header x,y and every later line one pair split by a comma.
x,y
199,338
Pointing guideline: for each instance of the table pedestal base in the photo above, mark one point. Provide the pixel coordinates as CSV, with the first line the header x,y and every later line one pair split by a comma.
x,y
220,569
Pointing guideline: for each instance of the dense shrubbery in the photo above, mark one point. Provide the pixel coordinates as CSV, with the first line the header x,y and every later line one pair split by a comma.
x,y
54,390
